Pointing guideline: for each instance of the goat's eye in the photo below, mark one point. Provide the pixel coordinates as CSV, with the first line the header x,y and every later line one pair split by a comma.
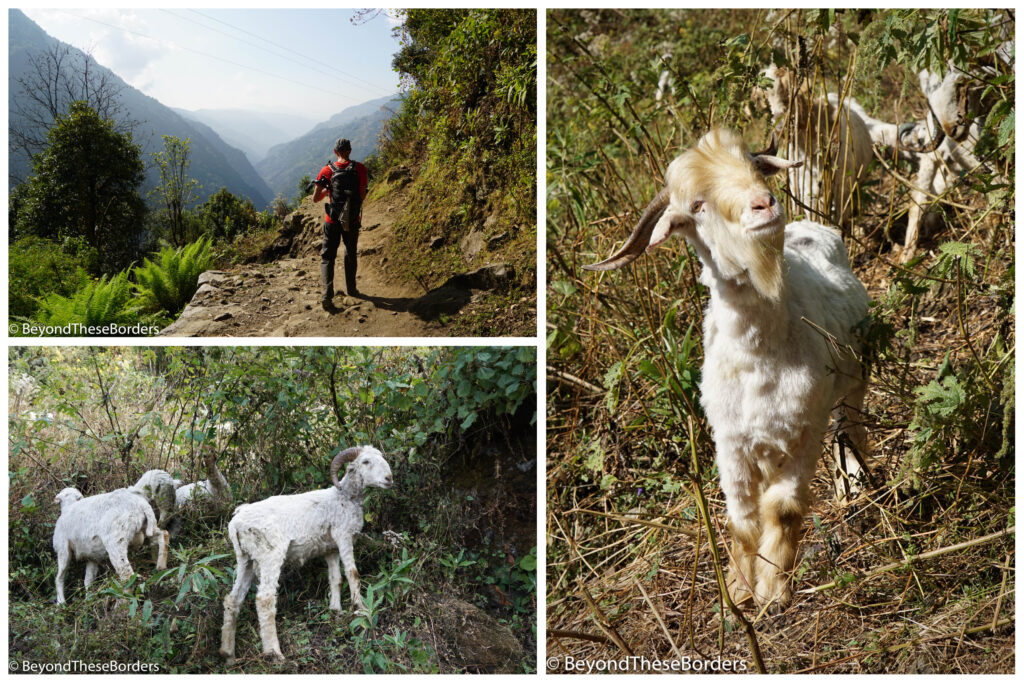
x,y
696,205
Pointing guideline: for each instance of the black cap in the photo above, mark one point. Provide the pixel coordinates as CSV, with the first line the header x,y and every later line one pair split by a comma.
x,y
342,143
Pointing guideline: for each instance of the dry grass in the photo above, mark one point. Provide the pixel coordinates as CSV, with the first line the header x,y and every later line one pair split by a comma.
x,y
917,576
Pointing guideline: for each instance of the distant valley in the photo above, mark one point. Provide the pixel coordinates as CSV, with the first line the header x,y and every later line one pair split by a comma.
x,y
257,155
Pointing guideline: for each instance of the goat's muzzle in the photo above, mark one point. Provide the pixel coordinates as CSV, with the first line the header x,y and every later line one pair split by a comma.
x,y
641,237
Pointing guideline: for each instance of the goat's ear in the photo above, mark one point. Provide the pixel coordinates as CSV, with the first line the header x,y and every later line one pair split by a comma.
x,y
767,164
671,223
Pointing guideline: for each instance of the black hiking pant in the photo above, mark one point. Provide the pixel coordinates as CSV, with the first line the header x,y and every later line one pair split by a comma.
x,y
333,235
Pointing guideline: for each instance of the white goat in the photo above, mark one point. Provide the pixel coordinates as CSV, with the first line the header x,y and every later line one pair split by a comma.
x,y
297,528
103,527
831,137
778,336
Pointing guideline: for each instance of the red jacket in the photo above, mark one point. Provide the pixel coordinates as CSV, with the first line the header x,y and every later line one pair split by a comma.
x,y
326,172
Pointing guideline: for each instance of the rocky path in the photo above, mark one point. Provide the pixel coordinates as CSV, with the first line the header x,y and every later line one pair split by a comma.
x,y
281,298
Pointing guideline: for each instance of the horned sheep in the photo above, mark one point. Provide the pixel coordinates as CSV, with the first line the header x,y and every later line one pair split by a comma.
x,y
295,529
779,342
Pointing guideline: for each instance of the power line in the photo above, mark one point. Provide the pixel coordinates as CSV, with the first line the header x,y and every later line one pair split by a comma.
x,y
282,47
201,53
275,54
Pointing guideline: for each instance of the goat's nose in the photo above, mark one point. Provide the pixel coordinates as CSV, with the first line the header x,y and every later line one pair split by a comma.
x,y
762,202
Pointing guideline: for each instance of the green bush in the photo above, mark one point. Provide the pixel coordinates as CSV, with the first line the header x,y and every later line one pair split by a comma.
x,y
38,267
168,283
98,304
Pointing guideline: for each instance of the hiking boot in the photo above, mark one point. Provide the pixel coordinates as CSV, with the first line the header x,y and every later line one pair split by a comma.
x,y
327,278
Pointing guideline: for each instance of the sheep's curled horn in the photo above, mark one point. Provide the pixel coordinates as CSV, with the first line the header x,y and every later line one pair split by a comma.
x,y
641,236
347,455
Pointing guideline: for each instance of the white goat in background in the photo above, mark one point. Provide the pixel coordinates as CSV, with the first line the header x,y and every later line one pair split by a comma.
x,y
780,351
297,528
102,527
830,136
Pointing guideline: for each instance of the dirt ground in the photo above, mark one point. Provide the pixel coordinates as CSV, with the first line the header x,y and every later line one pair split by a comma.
x,y
281,296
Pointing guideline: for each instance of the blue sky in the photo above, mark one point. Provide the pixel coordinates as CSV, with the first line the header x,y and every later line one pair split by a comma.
x,y
312,62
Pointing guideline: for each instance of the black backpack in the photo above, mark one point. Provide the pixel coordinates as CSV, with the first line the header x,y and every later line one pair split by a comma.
x,y
345,199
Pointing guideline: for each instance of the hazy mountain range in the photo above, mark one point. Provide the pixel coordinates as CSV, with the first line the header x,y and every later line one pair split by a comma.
x,y
225,142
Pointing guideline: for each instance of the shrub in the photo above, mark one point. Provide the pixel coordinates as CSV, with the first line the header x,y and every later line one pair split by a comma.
x,y
169,283
37,267
99,303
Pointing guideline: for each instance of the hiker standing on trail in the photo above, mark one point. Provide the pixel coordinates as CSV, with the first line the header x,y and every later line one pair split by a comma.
x,y
346,186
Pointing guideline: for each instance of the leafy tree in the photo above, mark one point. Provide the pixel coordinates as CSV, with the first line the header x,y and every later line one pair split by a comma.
x,y
86,184
177,189
54,79
224,215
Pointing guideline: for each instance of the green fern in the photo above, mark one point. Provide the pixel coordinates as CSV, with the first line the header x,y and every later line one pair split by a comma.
x,y
169,283
99,303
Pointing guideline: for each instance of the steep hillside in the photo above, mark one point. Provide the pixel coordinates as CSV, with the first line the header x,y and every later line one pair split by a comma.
x,y
214,163
285,164
253,132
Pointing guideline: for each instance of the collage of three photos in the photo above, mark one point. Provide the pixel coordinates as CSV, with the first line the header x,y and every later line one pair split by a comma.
x,y
355,341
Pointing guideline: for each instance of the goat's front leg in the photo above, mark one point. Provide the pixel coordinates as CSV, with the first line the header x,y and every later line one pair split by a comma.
x,y
783,505
740,482
348,559
334,579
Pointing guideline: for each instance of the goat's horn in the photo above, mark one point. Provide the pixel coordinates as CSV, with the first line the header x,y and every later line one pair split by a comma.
x,y
347,455
641,237
773,147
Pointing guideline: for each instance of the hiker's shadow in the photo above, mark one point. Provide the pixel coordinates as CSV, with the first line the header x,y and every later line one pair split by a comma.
x,y
444,300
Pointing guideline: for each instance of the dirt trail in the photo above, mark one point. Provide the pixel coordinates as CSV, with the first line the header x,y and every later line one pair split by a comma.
x,y
281,297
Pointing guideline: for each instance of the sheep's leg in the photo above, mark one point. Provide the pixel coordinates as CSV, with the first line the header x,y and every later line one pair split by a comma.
x,y
740,484
90,573
269,569
850,453
232,603
163,538
62,572
117,551
783,505
348,559
334,579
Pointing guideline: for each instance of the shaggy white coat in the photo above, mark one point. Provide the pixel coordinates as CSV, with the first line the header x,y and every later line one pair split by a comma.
x,y
103,527
158,487
294,529
779,344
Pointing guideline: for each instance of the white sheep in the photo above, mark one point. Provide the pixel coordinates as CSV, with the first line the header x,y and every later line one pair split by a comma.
x,y
779,345
297,528
158,487
103,527
212,489
830,135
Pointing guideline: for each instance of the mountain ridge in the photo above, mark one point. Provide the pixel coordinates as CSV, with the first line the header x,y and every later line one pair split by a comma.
x,y
214,163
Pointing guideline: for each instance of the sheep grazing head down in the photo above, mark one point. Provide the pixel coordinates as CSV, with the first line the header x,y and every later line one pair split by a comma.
x,y
367,467
67,497
716,197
